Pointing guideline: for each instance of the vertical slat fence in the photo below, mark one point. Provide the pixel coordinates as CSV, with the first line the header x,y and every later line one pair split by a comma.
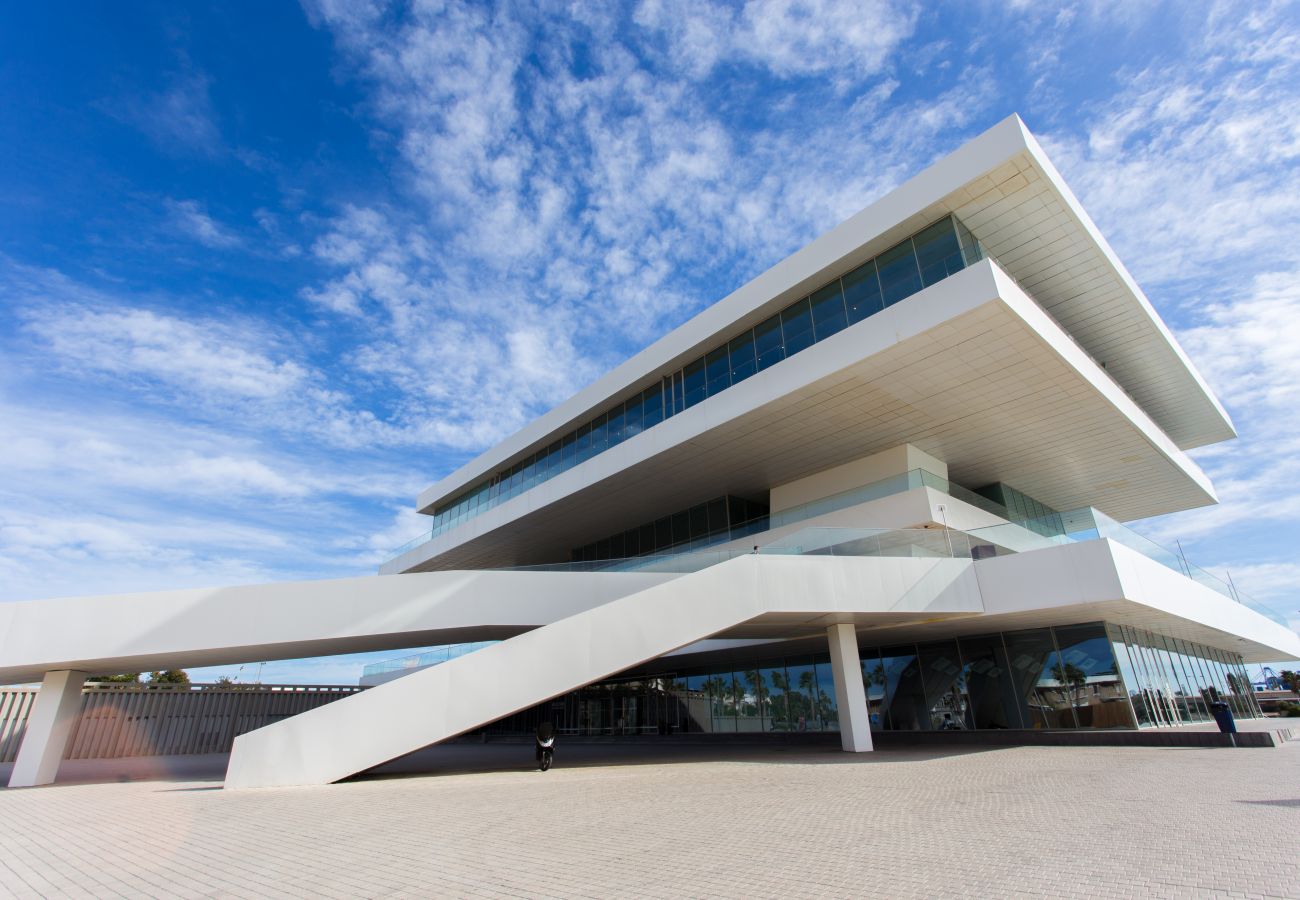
x,y
122,719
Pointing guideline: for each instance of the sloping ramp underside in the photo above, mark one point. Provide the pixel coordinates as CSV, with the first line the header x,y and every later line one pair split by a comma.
x,y
383,723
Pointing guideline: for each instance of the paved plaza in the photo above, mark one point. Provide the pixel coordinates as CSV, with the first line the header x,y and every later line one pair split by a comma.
x,y
675,821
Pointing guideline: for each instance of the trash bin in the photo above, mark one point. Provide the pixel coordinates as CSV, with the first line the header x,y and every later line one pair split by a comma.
x,y
1223,715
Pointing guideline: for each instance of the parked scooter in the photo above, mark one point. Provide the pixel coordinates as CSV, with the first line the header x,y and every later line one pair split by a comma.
x,y
545,745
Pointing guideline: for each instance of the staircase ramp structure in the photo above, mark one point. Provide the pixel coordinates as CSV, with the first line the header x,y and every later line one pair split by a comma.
x,y
802,591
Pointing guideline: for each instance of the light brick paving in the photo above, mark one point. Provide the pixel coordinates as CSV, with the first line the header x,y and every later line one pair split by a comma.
x,y
734,822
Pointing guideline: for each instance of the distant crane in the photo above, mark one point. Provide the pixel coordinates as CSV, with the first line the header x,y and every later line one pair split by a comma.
x,y
1269,679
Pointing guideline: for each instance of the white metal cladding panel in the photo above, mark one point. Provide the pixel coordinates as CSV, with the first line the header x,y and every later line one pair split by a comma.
x,y
119,720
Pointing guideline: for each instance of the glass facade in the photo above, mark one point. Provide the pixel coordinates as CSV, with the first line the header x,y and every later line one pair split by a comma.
x,y
1173,682
1090,675
941,249
719,520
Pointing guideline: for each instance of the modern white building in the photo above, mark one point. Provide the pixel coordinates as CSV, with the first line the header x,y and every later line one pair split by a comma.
x,y
879,487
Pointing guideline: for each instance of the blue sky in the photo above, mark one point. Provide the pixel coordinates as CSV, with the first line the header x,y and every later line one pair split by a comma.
x,y
268,271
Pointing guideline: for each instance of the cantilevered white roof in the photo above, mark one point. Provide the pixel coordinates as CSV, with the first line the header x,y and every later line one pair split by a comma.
x,y
1003,187
970,370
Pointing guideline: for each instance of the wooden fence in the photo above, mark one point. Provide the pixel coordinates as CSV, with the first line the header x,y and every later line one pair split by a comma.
x,y
164,719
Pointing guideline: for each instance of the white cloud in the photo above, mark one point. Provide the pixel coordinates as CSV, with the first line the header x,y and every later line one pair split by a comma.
x,y
207,357
559,217
189,218
239,370
179,118
789,37
1190,170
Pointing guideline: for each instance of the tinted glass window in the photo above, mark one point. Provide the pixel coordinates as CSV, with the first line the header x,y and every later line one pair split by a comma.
x,y
796,327
615,427
775,689
663,533
632,417
988,682
743,362
1041,691
717,516
827,712
717,370
862,292
873,683
681,528
767,343
584,443
899,678
693,375
945,686
801,695
938,252
652,406
828,313
749,688
1091,678
899,276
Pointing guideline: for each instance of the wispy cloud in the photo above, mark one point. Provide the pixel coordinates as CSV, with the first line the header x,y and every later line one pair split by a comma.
x,y
179,118
188,217
565,215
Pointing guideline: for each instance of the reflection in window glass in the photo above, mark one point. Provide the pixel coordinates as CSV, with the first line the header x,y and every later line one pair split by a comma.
x,y
899,276
1194,680
862,292
614,429
828,313
1040,681
741,351
1091,678
827,708
693,376
988,681
632,417
937,252
1132,683
717,371
723,701
767,343
904,700
652,405
944,686
749,700
801,698
873,683
774,690
796,327
697,714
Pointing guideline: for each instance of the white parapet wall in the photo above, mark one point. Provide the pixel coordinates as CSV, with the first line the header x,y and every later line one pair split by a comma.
x,y
896,461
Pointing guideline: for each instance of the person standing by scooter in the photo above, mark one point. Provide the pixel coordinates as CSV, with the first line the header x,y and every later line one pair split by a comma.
x,y
545,745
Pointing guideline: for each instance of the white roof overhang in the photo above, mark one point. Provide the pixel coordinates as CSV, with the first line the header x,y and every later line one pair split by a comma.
x,y
970,370
1005,189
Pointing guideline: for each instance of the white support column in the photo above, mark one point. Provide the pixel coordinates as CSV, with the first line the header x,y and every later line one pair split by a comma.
x,y
850,698
49,726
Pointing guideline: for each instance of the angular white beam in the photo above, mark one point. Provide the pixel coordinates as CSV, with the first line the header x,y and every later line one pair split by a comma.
x,y
850,697
48,728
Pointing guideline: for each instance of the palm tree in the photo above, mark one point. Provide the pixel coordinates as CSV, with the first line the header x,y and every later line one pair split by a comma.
x,y
806,686
1072,677
782,683
755,679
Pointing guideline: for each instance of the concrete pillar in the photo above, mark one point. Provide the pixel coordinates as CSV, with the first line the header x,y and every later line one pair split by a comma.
x,y
850,697
49,726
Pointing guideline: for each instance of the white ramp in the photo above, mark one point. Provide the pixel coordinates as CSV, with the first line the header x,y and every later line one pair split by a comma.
x,y
401,716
